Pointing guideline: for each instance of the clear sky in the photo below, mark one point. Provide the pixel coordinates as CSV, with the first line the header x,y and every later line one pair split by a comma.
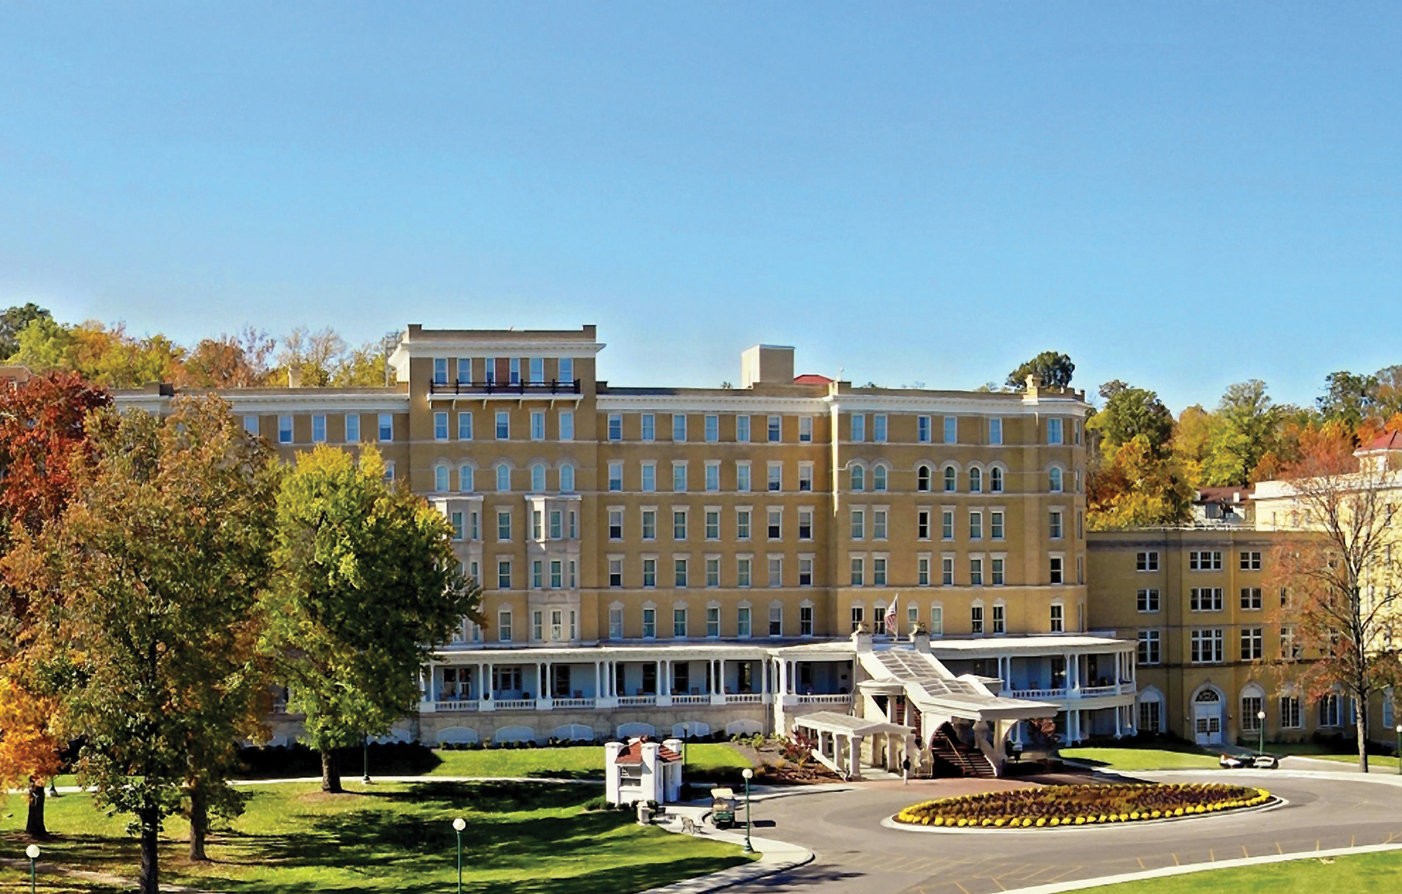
x,y
1180,195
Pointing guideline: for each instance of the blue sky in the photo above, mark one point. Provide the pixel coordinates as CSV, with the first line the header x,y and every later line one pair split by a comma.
x,y
1180,195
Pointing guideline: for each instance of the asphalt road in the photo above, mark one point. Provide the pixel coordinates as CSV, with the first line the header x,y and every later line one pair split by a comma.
x,y
855,854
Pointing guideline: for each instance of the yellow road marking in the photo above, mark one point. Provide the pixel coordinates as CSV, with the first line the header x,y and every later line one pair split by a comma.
x,y
961,888
1001,886
1141,862
1211,856
1353,841
1244,853
1279,849
1064,874
1175,860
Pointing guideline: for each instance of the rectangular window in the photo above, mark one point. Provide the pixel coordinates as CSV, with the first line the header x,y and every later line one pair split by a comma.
x,y
712,571
649,477
712,524
805,432
878,524
649,623
566,425
996,570
1054,524
1148,600
1056,575
504,626
742,429
742,524
922,429
857,616
1058,618
859,517
922,571
616,573
976,619
858,569
678,427
679,623
284,429
1146,561
742,477
566,372
319,429
557,524
649,427
776,571
922,524
679,477
975,572
464,426
776,429
995,524
712,429
537,574
678,524
1289,712
995,431
776,476
805,524
1252,644
440,370
503,524
742,571
975,525
859,427
1205,599
776,523
352,428
947,571
649,573
514,370
615,426
457,523
1054,431
999,621
489,370
742,622
805,477
1251,561
805,571
537,425
1206,646
1205,560
557,574
537,366
951,429
649,524
615,476
937,620
878,428
1148,652
805,620
947,524
503,574
503,425
713,621
1251,598
386,427
878,571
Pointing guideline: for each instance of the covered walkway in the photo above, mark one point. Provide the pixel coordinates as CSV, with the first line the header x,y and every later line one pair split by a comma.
x,y
840,739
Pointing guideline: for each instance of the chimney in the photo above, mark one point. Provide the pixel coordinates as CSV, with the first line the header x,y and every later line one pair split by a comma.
x,y
294,377
768,364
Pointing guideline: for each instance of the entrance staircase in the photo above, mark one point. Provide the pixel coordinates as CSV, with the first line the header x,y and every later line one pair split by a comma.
x,y
966,761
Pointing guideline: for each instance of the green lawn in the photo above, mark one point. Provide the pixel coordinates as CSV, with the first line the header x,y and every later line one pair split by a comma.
x,y
1375,761
522,838
1141,758
572,762
1362,874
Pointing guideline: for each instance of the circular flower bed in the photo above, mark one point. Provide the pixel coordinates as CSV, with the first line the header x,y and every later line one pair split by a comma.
x,y
1081,805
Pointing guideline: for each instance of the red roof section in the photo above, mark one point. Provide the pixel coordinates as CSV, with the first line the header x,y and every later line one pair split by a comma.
x,y
1390,441
633,754
812,379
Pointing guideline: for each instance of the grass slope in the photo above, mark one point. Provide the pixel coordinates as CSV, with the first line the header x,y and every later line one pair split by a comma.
x,y
572,762
522,838
1362,874
1141,758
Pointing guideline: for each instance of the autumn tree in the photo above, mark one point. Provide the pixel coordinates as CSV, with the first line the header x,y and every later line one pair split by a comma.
x,y
13,321
366,584
1137,486
230,361
29,747
1051,369
1128,413
1341,579
43,437
163,553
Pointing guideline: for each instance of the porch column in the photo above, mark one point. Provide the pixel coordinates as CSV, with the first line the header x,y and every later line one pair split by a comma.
x,y
432,682
764,678
855,757
1118,711
720,676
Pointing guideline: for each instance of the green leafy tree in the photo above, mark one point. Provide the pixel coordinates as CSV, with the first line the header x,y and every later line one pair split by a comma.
x,y
1136,486
1348,397
162,555
1128,413
366,584
1242,431
13,321
1052,370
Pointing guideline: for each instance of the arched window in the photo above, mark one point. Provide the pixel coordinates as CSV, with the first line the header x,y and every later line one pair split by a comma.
x,y
1208,695
538,478
440,479
503,478
995,480
878,478
859,479
951,480
922,478
975,481
465,479
567,479
1054,480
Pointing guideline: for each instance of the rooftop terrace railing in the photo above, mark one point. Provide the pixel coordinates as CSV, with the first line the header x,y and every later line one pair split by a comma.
x,y
553,386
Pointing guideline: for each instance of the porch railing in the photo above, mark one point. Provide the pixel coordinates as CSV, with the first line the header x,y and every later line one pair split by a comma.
x,y
1098,691
515,704
744,698
1037,693
457,704
691,699
572,703
634,701
824,699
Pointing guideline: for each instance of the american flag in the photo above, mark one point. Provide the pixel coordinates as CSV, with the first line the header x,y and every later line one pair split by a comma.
x,y
891,617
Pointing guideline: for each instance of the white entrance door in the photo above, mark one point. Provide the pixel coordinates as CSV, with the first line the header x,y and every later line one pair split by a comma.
x,y
1207,718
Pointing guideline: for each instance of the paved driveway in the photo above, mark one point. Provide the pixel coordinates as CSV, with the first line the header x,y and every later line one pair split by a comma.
x,y
856,854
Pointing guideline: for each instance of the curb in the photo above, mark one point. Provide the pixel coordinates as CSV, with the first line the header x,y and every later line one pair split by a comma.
x,y
889,822
774,857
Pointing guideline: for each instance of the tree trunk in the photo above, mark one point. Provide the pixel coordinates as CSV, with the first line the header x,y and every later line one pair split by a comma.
x,y
150,882
330,772
199,821
34,823
1360,726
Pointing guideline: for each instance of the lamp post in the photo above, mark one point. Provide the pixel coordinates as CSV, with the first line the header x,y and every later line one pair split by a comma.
x,y
748,774
1399,749
458,825
1261,722
32,852
364,759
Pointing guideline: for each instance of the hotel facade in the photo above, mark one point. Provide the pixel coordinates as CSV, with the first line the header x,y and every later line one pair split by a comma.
x,y
683,561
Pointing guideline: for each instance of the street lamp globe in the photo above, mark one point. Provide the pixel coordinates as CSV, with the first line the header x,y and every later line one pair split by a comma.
x,y
1260,715
459,824
32,852
747,773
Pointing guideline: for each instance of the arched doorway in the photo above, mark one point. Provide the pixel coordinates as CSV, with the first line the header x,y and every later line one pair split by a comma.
x,y
1207,717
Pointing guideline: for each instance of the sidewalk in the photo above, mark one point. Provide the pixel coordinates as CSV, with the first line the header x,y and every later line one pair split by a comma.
x,y
102,878
774,856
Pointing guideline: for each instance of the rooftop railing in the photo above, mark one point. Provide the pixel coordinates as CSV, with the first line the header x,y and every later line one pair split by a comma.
x,y
553,386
